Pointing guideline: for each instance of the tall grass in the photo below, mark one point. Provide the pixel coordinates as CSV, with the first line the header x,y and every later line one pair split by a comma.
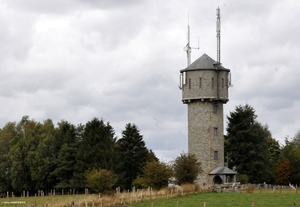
x,y
184,196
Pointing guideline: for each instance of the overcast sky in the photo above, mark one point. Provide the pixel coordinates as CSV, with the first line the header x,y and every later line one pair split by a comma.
x,y
120,59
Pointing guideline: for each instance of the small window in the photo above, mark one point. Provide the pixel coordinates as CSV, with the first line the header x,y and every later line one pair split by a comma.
x,y
215,108
216,155
212,82
215,131
200,82
222,82
190,83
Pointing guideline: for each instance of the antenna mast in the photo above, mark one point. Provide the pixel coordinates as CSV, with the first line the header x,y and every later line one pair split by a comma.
x,y
188,47
218,35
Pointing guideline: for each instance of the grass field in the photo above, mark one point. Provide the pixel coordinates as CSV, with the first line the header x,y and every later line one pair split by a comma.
x,y
266,198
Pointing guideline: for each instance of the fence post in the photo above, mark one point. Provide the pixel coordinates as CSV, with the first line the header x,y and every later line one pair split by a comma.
x,y
280,189
260,189
204,204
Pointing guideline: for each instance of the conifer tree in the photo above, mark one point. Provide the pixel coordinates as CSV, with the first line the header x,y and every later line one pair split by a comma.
x,y
133,154
247,145
97,149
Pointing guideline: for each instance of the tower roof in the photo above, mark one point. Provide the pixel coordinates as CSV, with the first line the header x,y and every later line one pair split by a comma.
x,y
204,63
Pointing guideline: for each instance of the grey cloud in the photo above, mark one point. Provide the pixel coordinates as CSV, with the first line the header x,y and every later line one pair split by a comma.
x,y
16,36
66,6
120,60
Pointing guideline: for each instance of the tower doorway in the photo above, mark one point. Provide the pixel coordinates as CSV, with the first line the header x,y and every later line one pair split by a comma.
x,y
217,180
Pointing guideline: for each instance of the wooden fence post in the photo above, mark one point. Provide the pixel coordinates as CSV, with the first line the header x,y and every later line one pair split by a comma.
x,y
280,189
260,189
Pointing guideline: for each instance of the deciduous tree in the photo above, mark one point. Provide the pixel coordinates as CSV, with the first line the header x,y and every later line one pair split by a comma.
x,y
283,172
101,181
157,174
7,133
296,139
186,168
42,160
22,144
291,152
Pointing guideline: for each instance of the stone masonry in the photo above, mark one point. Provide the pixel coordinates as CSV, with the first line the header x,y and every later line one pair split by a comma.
x,y
205,90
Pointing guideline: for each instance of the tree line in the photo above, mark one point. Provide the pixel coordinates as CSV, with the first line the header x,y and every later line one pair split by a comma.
x,y
41,156
251,150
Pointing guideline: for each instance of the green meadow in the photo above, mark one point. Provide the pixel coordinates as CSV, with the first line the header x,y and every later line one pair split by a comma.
x,y
264,199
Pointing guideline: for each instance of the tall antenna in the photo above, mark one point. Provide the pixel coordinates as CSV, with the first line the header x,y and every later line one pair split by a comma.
x,y
218,35
188,47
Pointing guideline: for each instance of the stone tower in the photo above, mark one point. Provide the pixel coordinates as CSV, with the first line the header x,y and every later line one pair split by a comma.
x,y
204,86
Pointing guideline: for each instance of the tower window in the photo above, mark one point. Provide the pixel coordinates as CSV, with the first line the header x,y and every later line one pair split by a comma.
x,y
215,108
190,83
215,131
222,82
212,82
200,82
216,155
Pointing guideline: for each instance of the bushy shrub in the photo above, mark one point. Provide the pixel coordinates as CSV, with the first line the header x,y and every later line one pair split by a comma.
x,y
101,181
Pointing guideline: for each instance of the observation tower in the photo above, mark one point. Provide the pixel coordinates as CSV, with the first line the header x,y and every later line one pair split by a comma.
x,y
204,84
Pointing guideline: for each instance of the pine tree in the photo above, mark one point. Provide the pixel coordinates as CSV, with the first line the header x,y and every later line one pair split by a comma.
x,y
133,154
66,159
247,146
97,149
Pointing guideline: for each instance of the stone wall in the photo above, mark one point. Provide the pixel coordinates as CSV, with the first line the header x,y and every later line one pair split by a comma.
x,y
205,135
202,84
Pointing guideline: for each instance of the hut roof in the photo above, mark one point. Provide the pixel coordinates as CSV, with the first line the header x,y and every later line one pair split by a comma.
x,y
222,171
